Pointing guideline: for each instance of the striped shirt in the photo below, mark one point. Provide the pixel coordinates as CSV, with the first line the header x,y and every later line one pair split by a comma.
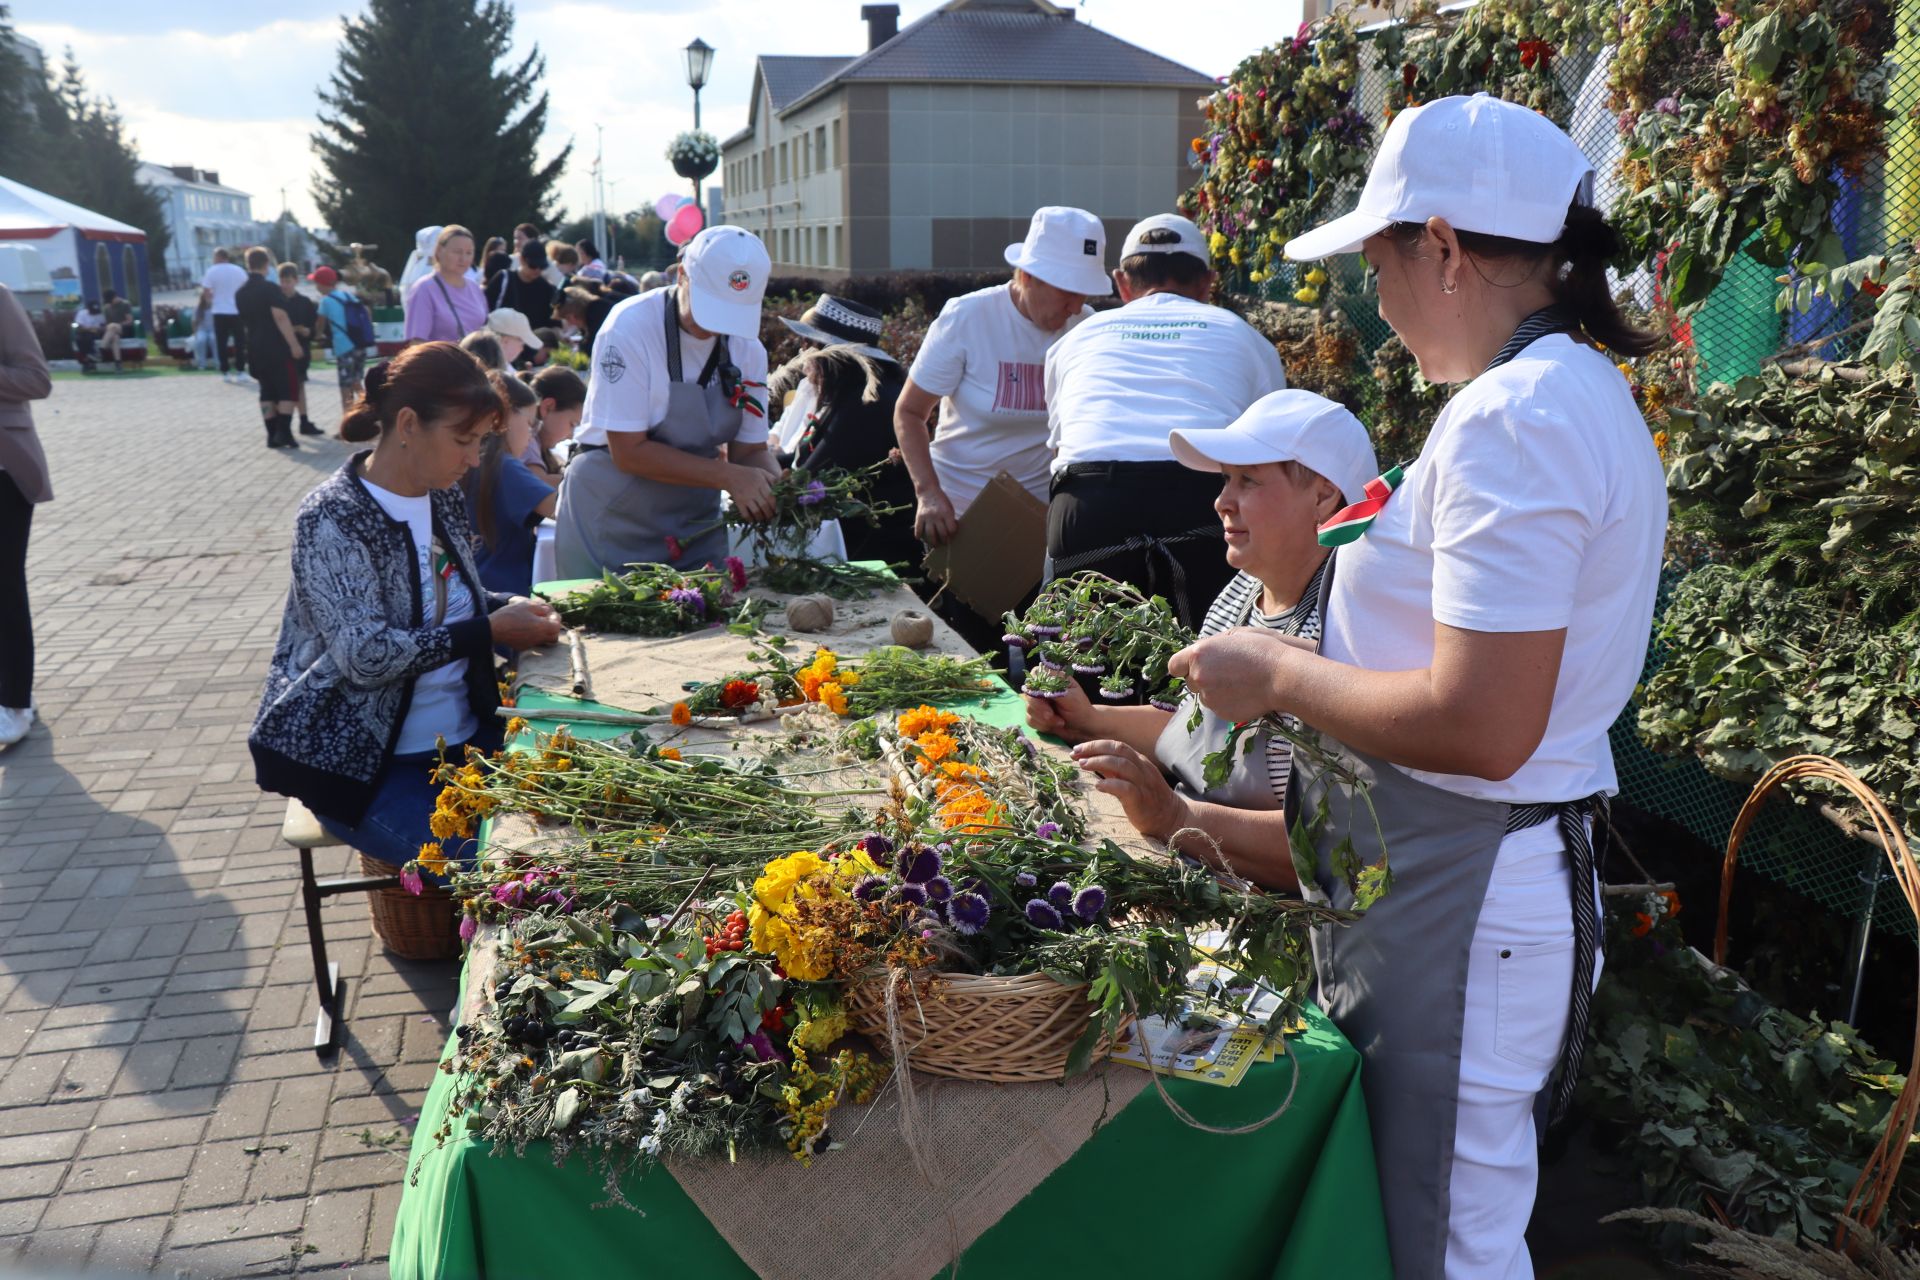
x,y
1237,605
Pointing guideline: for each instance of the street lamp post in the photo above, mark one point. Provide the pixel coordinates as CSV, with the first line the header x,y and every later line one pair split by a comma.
x,y
699,62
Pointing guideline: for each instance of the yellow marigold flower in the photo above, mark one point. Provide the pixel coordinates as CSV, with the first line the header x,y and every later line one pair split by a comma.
x,y
1216,244
922,719
516,726
1233,255
1306,295
681,715
1316,277
1660,442
432,860
1626,370
832,697
669,753
848,679
935,746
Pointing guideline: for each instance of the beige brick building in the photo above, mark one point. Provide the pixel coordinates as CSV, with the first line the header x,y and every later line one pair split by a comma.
x,y
931,150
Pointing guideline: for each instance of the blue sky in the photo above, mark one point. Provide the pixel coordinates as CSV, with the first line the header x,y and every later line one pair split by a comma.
x,y
232,89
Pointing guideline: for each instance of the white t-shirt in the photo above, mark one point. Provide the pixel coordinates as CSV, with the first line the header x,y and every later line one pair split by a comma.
x,y
1125,378
1537,503
987,363
223,280
628,390
439,707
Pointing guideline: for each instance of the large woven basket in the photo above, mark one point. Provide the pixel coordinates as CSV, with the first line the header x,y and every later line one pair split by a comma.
x,y
971,1027
414,928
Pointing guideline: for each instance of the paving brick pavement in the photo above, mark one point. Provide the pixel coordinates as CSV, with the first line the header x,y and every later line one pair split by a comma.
x,y
159,1107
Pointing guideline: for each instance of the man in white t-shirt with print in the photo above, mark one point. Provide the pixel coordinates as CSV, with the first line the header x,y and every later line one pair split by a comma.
x,y
222,283
1115,387
983,366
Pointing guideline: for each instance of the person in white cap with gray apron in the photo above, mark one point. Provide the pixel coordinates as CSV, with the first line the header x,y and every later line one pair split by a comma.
x,y
1484,625
676,413
1284,466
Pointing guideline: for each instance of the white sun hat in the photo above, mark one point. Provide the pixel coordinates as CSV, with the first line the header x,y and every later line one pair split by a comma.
x,y
1287,426
1481,163
727,269
1066,248
1188,238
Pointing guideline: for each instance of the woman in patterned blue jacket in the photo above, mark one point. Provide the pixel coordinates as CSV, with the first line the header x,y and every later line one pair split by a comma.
x,y
386,646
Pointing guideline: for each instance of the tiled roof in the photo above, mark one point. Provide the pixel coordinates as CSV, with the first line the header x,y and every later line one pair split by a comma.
x,y
998,46
789,77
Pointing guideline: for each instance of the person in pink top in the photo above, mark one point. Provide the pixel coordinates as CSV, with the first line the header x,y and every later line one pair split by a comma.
x,y
444,306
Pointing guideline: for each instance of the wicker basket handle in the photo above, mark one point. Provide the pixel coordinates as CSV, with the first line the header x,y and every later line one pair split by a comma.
x,y
1871,1193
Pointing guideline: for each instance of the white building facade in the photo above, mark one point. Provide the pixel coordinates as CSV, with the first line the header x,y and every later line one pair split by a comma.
x,y
202,215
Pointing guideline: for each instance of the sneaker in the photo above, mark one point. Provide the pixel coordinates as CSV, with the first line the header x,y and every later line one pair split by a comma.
x,y
14,723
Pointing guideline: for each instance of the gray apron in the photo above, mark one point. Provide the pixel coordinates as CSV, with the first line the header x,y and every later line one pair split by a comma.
x,y
1182,753
608,519
1395,981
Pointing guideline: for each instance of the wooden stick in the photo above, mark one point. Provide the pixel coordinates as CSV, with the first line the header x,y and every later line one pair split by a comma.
x,y
577,665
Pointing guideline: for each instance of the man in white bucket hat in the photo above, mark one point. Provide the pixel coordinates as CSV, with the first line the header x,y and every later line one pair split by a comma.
x,y
1485,624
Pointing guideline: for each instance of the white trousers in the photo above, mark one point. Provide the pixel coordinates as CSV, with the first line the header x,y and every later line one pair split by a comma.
x,y
1518,979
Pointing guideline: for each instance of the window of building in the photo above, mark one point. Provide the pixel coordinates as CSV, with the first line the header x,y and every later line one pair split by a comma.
x,y
820,247
839,156
820,146
786,244
839,245
783,162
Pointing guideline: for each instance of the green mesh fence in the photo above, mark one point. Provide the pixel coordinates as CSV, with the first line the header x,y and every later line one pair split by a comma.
x,y
1734,332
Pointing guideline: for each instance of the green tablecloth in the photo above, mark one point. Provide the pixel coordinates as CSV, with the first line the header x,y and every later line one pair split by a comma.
x,y
1145,1196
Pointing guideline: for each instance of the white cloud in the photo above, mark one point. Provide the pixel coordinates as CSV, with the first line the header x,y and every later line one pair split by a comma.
x,y
244,102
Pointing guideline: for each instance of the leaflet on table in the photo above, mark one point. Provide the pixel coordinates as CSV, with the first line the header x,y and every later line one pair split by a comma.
x,y
1212,1041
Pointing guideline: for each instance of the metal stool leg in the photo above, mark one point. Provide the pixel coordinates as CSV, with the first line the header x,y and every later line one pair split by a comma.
x,y
326,974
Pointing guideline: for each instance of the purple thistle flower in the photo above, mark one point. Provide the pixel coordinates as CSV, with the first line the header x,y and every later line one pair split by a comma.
x,y
877,846
869,888
918,865
1026,879
914,893
410,881
1090,902
1041,914
814,494
969,913
939,889
468,927
1047,831
1061,895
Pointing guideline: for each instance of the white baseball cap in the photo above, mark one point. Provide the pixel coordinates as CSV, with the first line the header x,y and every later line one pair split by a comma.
x,y
1190,239
1481,163
727,269
1066,248
1287,426
512,324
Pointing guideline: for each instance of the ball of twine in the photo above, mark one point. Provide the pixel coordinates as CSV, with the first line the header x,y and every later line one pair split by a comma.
x,y
912,629
810,613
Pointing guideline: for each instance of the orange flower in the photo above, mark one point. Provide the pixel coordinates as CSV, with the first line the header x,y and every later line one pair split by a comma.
x,y
669,753
833,697
923,719
935,746
681,714
1642,924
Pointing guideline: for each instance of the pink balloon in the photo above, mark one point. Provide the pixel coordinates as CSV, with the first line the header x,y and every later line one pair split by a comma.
x,y
667,204
685,223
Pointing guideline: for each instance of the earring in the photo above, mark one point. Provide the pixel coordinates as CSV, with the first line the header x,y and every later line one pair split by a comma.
x,y
1447,288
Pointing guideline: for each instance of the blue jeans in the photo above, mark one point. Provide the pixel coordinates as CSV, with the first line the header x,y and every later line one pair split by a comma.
x,y
397,822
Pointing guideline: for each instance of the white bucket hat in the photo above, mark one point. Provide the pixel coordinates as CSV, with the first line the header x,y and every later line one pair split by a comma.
x,y
1287,426
511,323
1481,163
1066,248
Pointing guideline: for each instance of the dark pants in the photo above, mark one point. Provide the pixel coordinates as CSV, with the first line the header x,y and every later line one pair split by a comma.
x,y
16,624
229,332
1149,524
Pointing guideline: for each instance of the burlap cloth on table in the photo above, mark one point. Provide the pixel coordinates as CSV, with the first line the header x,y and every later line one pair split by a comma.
x,y
863,1212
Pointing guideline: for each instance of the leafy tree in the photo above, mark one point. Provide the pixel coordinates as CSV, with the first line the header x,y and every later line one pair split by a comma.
x,y
424,122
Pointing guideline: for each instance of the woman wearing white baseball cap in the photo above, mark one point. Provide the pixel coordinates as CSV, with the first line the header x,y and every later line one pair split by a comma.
x,y
676,412
1286,464
983,366
1485,625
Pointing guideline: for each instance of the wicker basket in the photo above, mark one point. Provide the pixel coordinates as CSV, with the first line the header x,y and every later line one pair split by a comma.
x,y
969,1027
414,928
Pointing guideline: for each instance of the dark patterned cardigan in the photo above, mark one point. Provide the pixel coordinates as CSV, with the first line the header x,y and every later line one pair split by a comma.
x,y
352,643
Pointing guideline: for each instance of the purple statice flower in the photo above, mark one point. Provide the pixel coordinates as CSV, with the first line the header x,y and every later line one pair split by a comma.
x,y
1032,692
914,893
1667,106
1014,640
1051,665
1090,902
869,888
1061,895
1161,704
1026,879
410,881
510,894
1045,631
1116,693
688,601
918,864
1040,914
814,494
1047,830
1090,668
468,927
969,913
939,889
877,846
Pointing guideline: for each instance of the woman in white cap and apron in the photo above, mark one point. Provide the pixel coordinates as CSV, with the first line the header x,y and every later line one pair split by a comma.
x,y
1484,625
676,414
1285,465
